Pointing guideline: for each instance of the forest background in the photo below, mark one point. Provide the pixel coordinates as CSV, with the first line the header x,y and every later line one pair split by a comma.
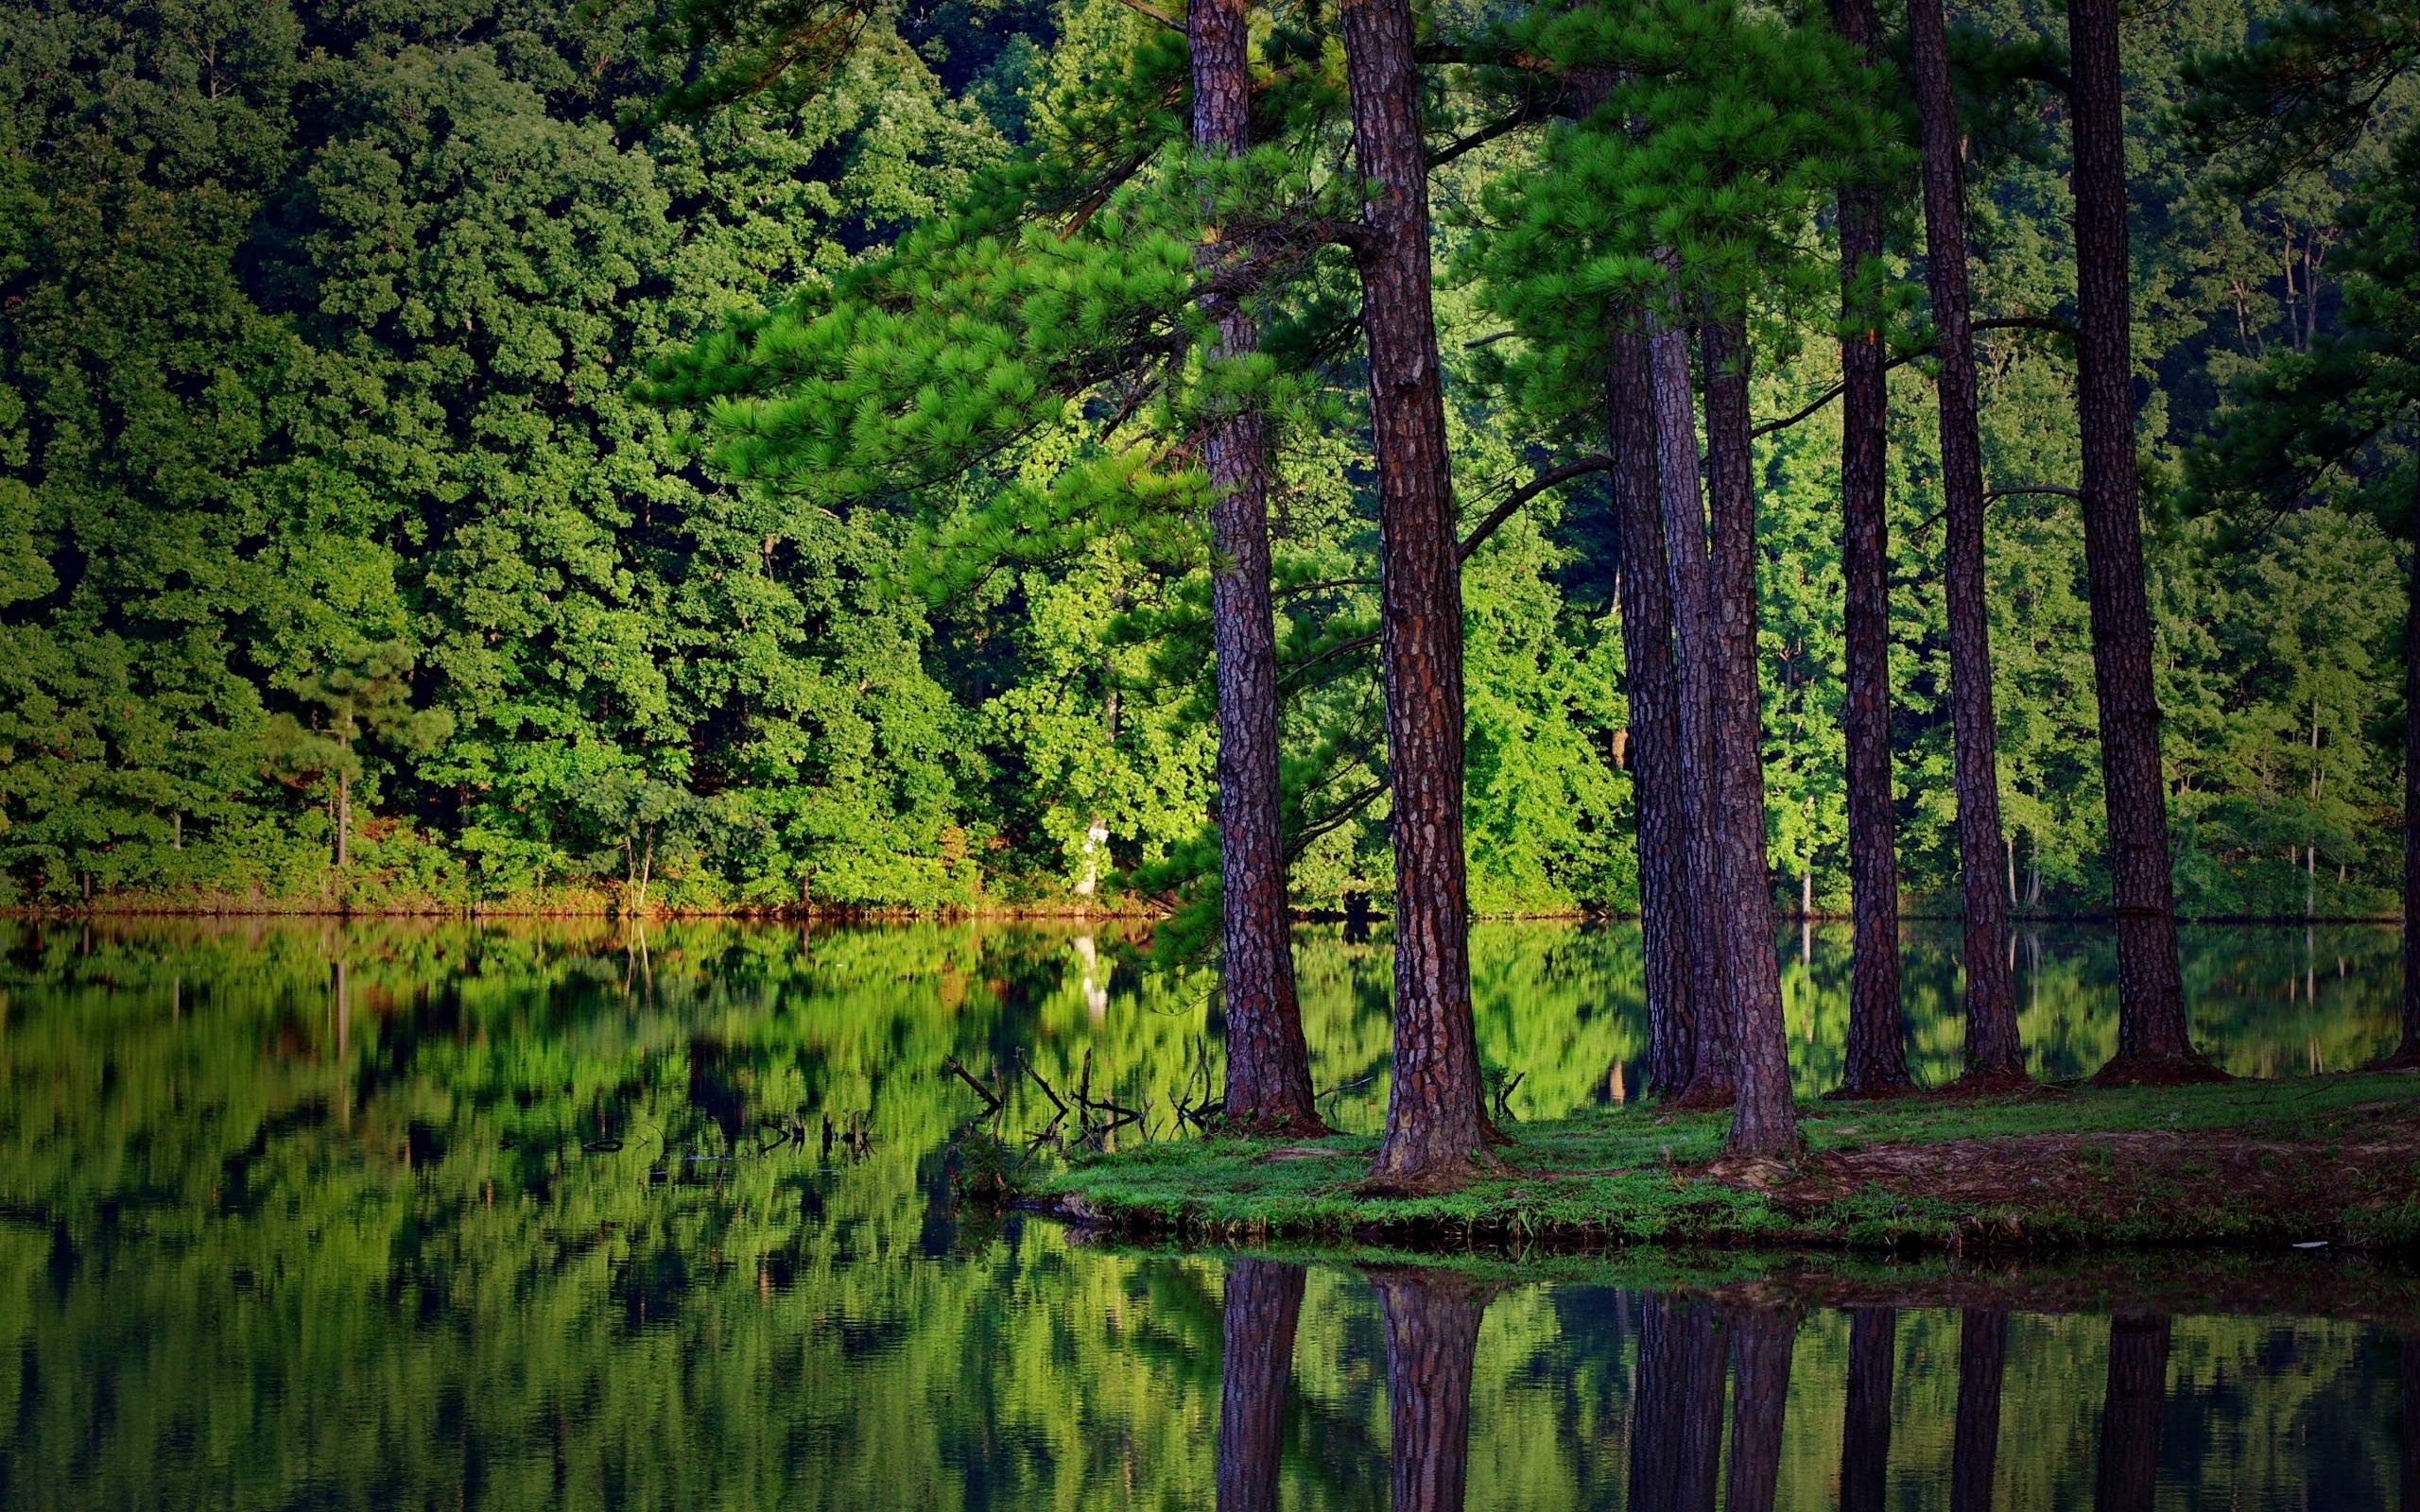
x,y
341,565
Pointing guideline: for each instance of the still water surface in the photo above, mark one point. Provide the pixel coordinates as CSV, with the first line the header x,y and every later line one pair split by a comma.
x,y
299,1214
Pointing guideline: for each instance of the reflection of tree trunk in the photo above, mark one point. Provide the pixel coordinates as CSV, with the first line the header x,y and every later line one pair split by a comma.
x,y
2130,1414
1268,1068
1865,1441
1676,1409
1435,1124
1432,1336
1760,1350
1651,681
2409,1349
1264,1300
2152,1033
1763,1122
1983,1356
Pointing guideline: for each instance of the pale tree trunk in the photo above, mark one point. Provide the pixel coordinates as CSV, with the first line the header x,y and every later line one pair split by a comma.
x,y
1878,1057
344,818
1649,678
1676,440
2152,1039
1268,1068
1994,1053
1435,1128
1764,1123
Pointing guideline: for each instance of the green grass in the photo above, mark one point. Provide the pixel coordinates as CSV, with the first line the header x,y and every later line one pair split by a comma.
x,y
1633,1176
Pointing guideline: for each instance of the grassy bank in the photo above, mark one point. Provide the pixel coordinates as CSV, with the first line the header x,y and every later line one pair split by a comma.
x,y
2331,1159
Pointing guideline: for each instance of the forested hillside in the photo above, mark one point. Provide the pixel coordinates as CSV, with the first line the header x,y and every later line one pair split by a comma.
x,y
346,556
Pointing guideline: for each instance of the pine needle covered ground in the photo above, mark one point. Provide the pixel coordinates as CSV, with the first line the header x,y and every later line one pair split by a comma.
x,y
2265,1164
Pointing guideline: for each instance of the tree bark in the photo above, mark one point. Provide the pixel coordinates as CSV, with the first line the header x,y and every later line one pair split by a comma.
x,y
344,818
1264,1301
1865,1436
1764,1123
1432,1322
1982,1360
2129,1414
1994,1054
1269,1066
1435,1129
2152,1041
1878,1057
1761,1345
2408,1054
1651,679
1676,437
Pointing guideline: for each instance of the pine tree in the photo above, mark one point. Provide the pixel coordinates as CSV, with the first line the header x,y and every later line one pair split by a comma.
x,y
1994,1054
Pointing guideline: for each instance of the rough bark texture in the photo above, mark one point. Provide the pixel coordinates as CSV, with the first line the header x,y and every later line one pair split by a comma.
x,y
1761,1344
2130,1414
1264,1302
1763,1121
1432,1335
2152,1042
1878,1059
1993,1050
1676,444
1269,1067
1982,1360
1650,681
1865,1433
1435,1126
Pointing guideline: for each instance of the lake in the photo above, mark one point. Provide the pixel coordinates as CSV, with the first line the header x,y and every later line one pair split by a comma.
x,y
298,1213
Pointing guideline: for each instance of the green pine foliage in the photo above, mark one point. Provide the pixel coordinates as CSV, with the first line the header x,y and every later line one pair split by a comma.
x,y
735,453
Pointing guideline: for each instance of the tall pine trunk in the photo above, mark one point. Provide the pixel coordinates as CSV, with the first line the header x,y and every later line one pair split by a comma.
x,y
2408,1054
1975,1444
1676,444
2152,1042
2130,1414
1268,1068
1762,1342
1435,1126
1865,1432
1263,1304
1764,1123
1878,1057
1994,1054
1651,681
1432,1322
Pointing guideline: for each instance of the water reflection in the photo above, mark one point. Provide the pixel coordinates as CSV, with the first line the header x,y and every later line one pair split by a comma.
x,y
1802,1434
435,1215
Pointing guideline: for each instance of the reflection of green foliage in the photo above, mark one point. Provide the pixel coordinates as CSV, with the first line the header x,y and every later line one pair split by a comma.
x,y
303,1212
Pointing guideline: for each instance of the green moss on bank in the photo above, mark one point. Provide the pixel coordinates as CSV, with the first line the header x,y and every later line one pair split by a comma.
x,y
2333,1159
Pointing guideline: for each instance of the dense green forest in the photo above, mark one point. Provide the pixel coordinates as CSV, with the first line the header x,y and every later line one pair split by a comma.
x,y
343,556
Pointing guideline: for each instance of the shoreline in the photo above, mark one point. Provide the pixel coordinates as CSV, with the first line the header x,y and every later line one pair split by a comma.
x,y
1150,911
2240,1167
